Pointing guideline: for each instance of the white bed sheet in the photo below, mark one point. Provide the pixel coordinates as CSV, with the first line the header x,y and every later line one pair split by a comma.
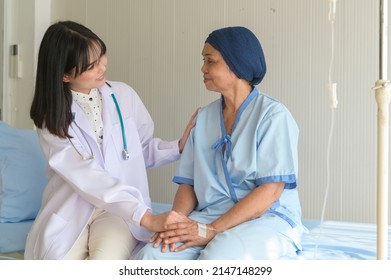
x,y
335,240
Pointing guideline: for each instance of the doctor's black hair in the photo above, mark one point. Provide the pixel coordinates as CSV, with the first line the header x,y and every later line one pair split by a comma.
x,y
65,49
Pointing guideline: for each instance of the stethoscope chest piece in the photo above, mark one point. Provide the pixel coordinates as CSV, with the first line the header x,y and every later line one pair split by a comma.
x,y
125,154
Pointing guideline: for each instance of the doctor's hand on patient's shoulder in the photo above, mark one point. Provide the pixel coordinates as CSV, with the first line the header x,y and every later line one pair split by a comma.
x,y
189,233
186,133
158,223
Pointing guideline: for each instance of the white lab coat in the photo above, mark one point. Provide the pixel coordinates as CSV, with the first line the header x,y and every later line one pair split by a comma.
x,y
76,187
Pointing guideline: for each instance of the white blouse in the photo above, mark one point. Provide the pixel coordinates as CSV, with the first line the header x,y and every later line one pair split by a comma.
x,y
92,106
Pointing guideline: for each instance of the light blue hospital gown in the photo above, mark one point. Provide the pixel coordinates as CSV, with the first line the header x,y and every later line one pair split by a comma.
x,y
262,148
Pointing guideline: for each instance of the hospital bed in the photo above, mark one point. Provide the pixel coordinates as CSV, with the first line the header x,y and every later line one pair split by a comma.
x,y
22,180
331,240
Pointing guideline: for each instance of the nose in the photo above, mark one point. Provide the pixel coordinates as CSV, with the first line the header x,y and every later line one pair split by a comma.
x,y
103,63
204,68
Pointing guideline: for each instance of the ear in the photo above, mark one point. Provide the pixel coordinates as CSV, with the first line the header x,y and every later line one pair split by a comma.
x,y
66,79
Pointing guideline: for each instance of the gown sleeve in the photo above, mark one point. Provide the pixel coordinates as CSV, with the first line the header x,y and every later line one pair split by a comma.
x,y
277,148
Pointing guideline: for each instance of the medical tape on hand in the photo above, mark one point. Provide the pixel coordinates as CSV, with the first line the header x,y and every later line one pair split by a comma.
x,y
202,230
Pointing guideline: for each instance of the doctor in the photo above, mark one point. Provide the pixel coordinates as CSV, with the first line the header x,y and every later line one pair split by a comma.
x,y
98,139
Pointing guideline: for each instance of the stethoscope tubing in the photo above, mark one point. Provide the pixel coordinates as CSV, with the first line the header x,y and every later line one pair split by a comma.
x,y
125,153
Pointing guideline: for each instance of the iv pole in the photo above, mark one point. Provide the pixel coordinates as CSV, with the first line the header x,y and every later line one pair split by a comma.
x,y
382,94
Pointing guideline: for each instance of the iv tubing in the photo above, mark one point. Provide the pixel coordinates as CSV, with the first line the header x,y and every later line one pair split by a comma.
x,y
333,104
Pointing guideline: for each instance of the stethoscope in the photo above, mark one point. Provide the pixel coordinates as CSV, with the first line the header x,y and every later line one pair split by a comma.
x,y
125,153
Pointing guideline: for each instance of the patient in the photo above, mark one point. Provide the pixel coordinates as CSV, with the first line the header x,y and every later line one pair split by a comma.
x,y
238,172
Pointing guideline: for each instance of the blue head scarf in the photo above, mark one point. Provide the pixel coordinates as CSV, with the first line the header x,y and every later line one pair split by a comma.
x,y
241,51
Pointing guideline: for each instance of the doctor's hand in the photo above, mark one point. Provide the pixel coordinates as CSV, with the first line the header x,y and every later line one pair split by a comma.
x,y
157,240
190,233
186,133
158,223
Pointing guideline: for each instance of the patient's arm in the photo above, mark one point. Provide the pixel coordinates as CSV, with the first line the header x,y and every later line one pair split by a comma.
x,y
185,199
252,206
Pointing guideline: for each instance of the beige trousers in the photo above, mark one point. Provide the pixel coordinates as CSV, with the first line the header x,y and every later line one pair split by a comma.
x,y
106,237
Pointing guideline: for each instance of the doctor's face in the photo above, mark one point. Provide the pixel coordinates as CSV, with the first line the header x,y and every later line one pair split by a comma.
x,y
93,77
217,75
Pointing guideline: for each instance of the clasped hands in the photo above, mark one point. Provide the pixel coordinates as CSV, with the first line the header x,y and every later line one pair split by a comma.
x,y
183,230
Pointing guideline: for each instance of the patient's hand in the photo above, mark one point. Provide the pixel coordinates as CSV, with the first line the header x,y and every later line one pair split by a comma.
x,y
188,233
157,240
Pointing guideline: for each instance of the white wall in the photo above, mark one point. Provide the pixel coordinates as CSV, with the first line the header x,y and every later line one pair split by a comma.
x,y
19,91
25,21
155,46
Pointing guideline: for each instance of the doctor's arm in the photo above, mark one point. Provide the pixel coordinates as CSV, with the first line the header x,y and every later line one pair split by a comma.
x,y
99,188
184,202
256,203
186,133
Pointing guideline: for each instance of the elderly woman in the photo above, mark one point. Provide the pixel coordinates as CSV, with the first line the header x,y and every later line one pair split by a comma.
x,y
238,172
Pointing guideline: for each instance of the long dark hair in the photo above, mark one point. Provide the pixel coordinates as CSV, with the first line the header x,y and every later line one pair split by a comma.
x,y
65,49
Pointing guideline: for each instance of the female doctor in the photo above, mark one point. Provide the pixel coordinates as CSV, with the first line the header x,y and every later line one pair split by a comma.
x,y
97,137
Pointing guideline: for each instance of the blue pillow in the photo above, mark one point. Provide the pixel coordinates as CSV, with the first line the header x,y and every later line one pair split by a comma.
x,y
22,174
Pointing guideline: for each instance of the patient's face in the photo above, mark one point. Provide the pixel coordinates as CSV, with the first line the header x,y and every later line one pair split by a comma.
x,y
217,75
